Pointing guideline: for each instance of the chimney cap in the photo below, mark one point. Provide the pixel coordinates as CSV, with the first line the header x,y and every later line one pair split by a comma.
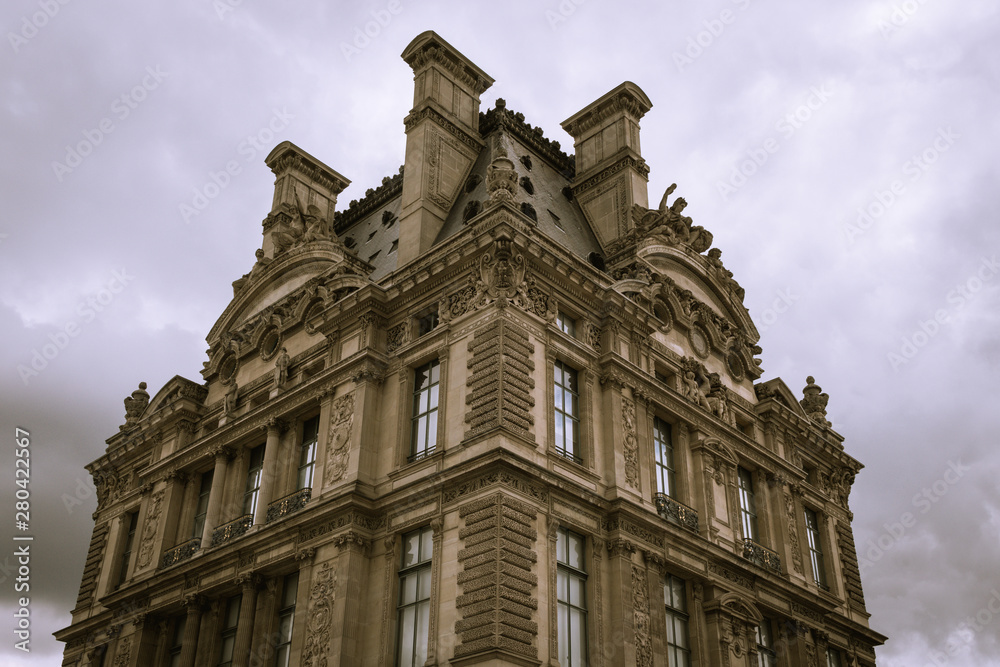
x,y
429,46
626,98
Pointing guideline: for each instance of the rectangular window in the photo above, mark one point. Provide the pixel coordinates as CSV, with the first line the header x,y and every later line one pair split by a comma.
x,y
176,642
286,614
815,548
748,509
426,380
571,589
427,323
766,656
254,473
663,450
201,510
130,521
414,609
230,621
567,411
832,657
565,323
307,453
675,599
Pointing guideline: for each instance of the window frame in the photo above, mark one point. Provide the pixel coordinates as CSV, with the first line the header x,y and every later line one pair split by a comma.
x,y
289,585
814,548
665,472
422,571
566,323
764,637
571,573
560,416
200,517
252,495
676,614
833,657
429,419
747,504
176,646
130,524
227,632
307,456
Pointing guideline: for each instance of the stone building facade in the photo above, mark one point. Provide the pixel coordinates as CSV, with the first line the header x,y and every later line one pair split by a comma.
x,y
497,412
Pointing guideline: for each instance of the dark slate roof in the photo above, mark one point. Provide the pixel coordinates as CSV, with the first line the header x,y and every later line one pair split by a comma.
x,y
370,227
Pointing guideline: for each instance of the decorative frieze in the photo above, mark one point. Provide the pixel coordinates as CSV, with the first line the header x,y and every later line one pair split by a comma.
x,y
498,559
793,532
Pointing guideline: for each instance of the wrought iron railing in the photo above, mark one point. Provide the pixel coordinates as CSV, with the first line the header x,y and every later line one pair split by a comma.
x,y
234,528
676,512
761,555
181,552
293,502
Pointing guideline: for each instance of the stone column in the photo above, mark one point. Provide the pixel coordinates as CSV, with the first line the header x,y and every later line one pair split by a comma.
x,y
275,427
350,615
244,630
194,605
146,642
262,649
215,495
622,612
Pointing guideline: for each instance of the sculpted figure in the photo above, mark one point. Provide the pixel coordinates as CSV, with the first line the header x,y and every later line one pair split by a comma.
x,y
281,368
315,225
229,401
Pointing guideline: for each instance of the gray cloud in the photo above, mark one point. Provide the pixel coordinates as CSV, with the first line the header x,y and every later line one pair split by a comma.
x,y
857,297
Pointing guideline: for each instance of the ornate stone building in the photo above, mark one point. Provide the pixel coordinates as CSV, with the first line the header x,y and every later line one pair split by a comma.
x,y
497,412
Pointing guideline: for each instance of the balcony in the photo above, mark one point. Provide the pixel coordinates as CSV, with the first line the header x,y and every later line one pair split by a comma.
x,y
181,552
293,502
761,556
676,512
234,528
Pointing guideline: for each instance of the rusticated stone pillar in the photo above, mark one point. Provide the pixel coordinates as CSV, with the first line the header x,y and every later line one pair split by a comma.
x,y
498,580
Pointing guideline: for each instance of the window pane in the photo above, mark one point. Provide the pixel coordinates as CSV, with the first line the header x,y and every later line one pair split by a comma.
x,y
563,634
426,544
577,635
420,640
407,616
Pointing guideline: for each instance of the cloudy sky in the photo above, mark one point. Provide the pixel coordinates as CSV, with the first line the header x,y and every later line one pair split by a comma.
x,y
843,155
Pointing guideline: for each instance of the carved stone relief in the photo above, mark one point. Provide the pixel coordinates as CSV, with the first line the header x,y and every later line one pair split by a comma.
x,y
321,599
339,439
149,529
630,447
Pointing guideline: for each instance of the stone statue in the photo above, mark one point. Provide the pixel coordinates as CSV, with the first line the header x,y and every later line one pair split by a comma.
x,y
230,399
725,275
315,224
281,368
669,226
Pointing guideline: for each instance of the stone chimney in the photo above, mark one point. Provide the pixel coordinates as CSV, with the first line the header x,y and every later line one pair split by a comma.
x,y
300,181
442,138
611,175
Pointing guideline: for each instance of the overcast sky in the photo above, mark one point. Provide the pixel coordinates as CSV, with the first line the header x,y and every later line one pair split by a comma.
x,y
843,154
